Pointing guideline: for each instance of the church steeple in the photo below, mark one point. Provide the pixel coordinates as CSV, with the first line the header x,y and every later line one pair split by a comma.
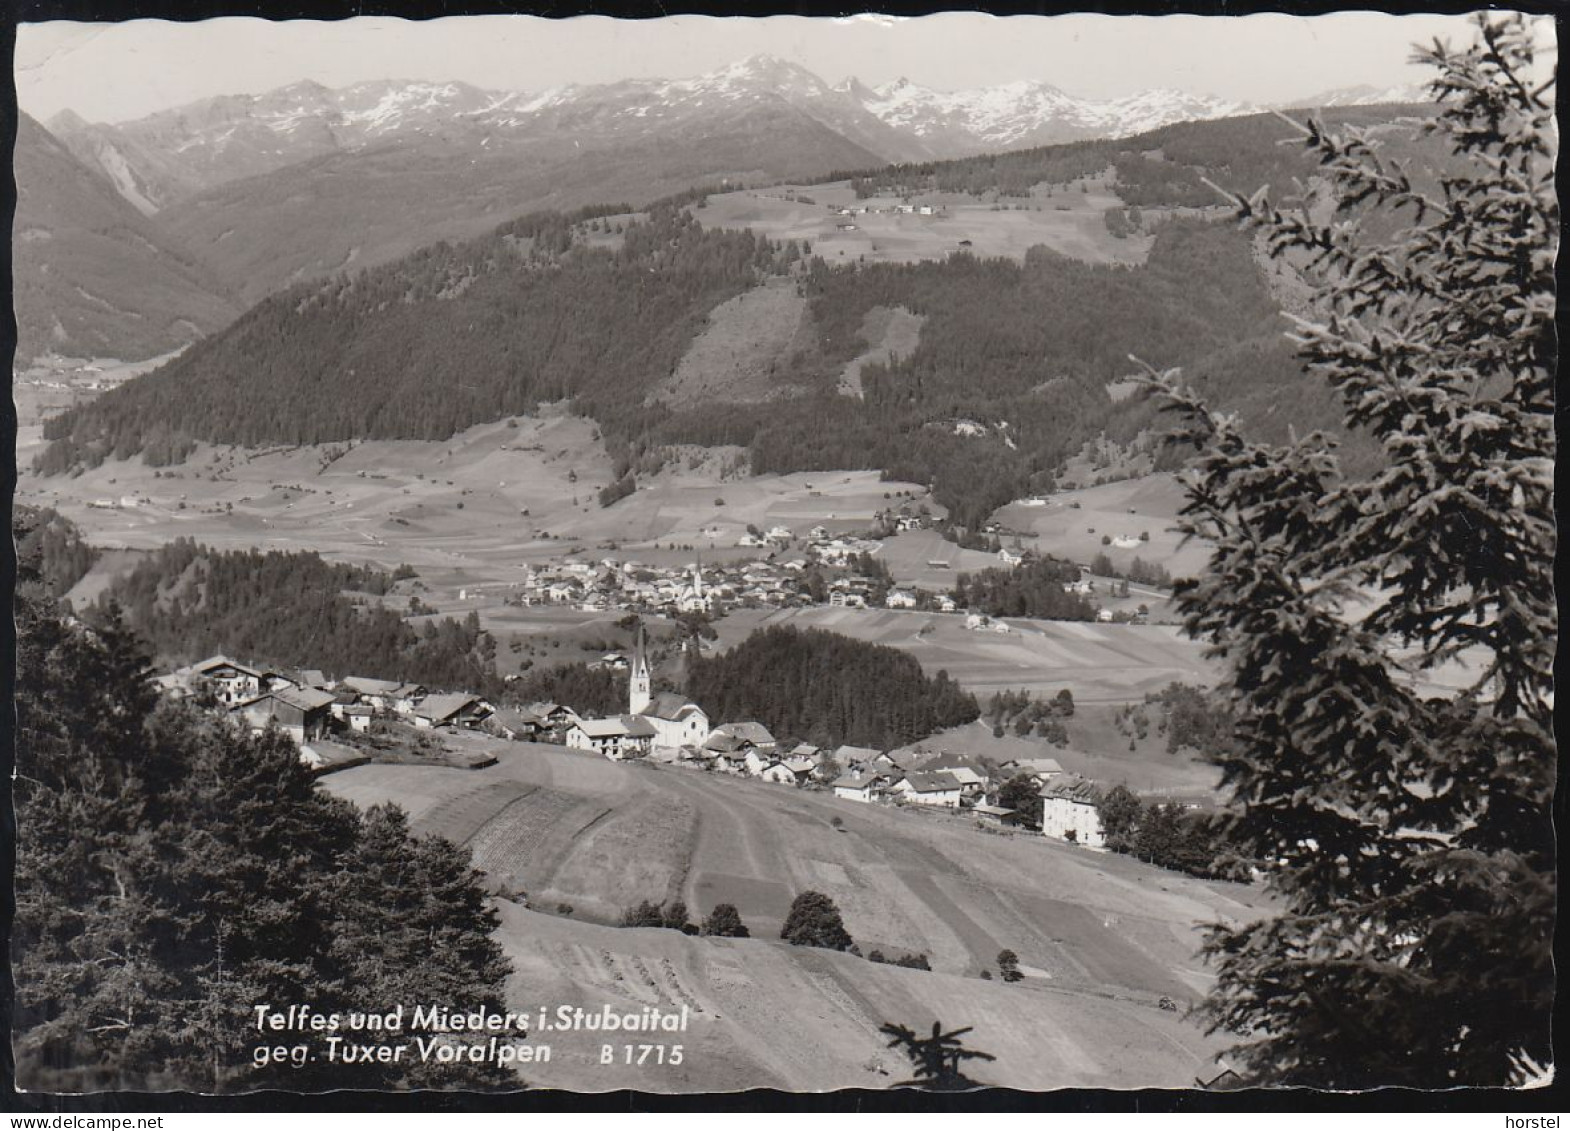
x,y
639,690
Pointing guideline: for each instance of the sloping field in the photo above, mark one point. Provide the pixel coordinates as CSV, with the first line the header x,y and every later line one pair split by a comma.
x,y
742,354
1070,223
1127,509
926,559
763,1014
1099,663
1102,938
640,850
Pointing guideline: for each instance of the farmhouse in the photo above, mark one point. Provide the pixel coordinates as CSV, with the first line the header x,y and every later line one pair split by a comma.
x,y
301,714
386,695
519,726
1068,811
855,757
1042,769
863,787
235,682
806,750
740,736
555,717
777,773
618,739
899,599
972,777
922,788
450,710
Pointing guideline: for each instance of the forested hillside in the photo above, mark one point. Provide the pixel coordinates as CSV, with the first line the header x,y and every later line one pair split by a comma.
x,y
1008,378
828,689
53,542
294,610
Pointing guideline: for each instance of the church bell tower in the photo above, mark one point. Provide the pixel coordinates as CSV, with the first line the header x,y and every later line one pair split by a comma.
x,y
639,692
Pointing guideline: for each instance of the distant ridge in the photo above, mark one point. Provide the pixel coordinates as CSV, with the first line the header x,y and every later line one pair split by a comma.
x,y
174,154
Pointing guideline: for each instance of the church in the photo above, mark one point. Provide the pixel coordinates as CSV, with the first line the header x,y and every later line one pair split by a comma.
x,y
677,720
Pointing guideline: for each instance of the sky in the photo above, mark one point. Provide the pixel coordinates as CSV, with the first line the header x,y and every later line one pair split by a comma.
x,y
117,72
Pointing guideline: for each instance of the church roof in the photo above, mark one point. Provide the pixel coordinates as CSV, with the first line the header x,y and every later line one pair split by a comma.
x,y
669,706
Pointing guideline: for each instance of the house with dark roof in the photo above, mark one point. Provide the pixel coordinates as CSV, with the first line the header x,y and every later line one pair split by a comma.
x,y
970,772
517,725
855,757
743,734
457,710
301,713
234,682
918,787
1069,811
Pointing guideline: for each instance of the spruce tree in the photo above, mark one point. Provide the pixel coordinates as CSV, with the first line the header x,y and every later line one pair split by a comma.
x,y
1404,825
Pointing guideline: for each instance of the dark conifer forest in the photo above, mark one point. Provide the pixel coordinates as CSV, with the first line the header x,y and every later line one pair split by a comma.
x,y
53,542
294,610
828,689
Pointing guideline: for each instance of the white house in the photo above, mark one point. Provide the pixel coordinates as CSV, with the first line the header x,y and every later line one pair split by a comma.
x,y
235,682
778,773
862,787
920,788
899,599
617,739
1068,811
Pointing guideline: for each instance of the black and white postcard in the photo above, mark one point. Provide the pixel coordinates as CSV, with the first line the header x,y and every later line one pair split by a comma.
x,y
695,554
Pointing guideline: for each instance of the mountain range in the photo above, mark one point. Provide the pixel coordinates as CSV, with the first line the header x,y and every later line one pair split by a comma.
x,y
175,154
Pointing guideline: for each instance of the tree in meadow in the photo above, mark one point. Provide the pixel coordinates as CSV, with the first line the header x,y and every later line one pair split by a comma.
x,y
814,920
1403,822
724,922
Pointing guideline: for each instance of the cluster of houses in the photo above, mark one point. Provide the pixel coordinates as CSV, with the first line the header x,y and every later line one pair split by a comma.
x,y
630,586
309,708
891,209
